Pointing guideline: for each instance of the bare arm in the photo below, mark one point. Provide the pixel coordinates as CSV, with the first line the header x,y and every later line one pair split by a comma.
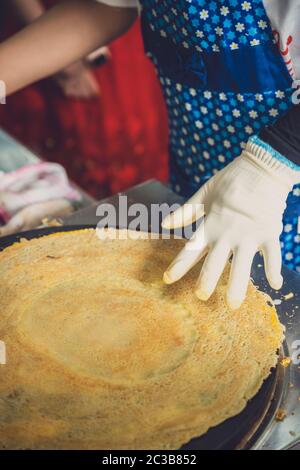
x,y
27,10
65,34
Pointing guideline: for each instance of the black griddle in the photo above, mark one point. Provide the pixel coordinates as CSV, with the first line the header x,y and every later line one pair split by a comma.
x,y
256,427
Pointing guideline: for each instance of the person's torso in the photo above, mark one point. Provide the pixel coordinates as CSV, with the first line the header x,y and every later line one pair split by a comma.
x,y
223,79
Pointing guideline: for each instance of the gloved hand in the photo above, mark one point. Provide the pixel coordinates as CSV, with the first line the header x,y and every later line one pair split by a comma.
x,y
32,216
244,205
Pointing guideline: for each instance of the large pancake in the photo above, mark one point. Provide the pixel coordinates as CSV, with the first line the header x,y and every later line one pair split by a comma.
x,y
102,355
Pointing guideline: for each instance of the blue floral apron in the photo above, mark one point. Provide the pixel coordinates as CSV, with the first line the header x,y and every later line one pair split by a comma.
x,y
223,80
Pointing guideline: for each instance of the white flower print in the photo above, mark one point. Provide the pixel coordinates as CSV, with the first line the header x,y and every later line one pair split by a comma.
x,y
224,11
246,6
296,192
208,94
204,14
273,112
288,228
240,27
262,24
253,114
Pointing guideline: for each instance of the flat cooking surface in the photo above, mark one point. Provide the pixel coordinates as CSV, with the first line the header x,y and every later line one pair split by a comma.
x,y
255,427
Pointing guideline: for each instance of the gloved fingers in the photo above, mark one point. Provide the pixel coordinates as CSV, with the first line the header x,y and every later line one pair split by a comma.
x,y
212,270
185,215
273,263
185,260
191,211
240,275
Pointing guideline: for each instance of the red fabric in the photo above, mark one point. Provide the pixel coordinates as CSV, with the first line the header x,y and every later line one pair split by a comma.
x,y
106,144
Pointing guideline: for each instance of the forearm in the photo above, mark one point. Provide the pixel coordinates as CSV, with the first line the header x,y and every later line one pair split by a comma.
x,y
27,10
284,135
65,34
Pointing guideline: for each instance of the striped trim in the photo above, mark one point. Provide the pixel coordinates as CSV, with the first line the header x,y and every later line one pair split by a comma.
x,y
257,141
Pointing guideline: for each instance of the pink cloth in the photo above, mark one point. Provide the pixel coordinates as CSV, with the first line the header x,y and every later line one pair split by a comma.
x,y
31,184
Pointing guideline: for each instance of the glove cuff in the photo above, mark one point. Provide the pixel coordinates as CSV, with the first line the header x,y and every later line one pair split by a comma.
x,y
272,161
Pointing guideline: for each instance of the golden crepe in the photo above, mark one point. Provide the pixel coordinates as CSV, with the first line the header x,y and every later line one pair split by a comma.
x,y
102,355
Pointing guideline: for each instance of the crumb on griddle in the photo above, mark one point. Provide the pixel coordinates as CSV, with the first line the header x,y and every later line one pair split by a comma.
x,y
289,296
280,415
51,222
286,361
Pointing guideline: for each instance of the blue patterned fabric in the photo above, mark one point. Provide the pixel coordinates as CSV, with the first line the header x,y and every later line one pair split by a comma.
x,y
290,240
223,80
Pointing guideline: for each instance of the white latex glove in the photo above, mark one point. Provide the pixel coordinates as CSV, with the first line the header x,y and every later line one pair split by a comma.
x,y
32,216
244,205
